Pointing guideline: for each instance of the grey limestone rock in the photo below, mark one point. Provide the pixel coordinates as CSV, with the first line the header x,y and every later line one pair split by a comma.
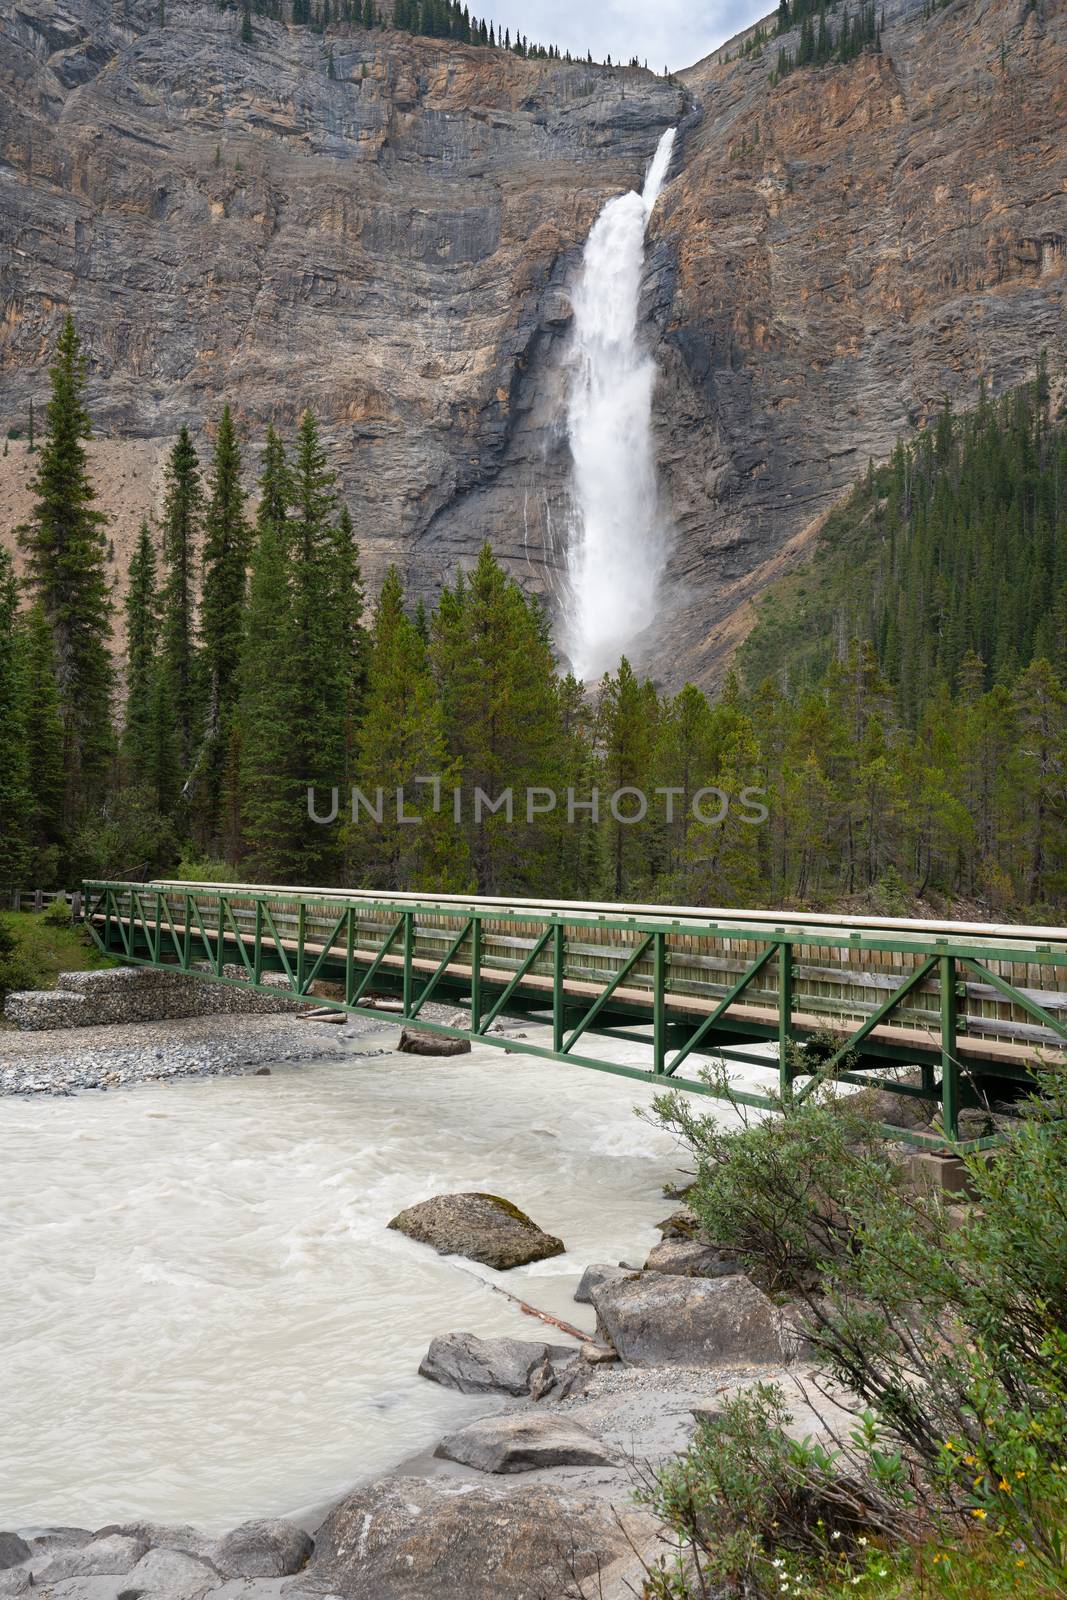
x,y
482,1227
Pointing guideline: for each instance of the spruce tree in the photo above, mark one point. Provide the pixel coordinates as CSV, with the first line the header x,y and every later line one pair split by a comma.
x,y
495,670
401,739
319,673
181,533
44,737
142,642
65,549
350,642
15,801
271,789
222,619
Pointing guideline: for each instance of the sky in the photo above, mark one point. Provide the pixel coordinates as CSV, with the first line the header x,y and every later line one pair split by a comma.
x,y
666,33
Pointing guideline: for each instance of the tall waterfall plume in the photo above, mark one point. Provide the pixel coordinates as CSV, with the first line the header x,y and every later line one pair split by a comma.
x,y
617,547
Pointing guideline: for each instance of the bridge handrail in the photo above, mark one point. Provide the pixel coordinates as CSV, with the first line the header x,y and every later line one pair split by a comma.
x,y
1005,942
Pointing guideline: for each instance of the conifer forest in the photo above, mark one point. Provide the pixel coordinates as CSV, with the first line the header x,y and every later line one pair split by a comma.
x,y
899,711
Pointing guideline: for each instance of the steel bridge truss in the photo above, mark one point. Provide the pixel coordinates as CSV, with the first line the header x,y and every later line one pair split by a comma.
x,y
684,988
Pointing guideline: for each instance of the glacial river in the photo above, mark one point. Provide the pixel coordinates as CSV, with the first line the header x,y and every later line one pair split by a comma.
x,y
204,1317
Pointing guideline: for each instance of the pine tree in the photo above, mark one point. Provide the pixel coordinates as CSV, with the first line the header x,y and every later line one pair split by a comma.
x,y
319,672
247,36
222,618
44,737
271,788
181,532
626,735
350,635
494,668
402,739
142,643
15,800
65,548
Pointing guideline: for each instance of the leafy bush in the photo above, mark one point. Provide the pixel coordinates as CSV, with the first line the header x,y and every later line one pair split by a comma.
x,y
58,914
16,971
205,869
950,1332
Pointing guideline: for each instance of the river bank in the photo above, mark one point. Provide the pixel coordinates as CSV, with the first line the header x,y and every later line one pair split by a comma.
x,y
203,1261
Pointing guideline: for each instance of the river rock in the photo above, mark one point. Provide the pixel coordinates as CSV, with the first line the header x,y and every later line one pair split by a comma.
x,y
113,1555
167,1536
482,1227
688,1258
172,1573
416,1043
13,1550
681,1224
663,1320
523,1441
489,1366
593,1276
406,1538
268,1549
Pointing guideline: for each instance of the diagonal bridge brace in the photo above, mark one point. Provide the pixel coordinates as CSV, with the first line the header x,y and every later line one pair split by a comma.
x,y
724,1004
432,981
606,994
1015,995
826,1068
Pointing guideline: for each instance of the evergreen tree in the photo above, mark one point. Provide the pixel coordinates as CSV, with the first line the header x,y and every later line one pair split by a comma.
x,y
222,617
272,798
45,743
627,732
350,639
402,739
319,672
65,549
181,532
15,799
142,640
495,674
247,36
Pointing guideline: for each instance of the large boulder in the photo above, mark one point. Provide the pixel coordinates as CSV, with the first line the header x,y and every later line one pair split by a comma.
x,y
482,1227
406,1538
113,1555
491,1366
522,1442
689,1258
269,1549
596,1274
166,1535
172,1573
662,1320
415,1042
12,1550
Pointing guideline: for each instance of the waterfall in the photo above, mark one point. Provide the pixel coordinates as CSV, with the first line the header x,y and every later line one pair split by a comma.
x,y
617,546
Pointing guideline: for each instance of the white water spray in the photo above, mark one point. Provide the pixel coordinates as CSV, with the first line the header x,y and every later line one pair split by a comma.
x,y
617,547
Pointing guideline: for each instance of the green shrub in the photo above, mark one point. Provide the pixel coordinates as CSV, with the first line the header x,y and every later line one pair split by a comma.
x,y
59,914
16,971
949,1331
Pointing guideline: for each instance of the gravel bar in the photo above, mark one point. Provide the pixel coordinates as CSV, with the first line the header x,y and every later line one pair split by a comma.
x,y
64,1060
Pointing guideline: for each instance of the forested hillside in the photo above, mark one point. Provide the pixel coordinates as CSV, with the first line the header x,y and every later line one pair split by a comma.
x,y
896,733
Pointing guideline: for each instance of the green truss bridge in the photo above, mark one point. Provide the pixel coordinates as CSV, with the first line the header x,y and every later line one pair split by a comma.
x,y
973,1009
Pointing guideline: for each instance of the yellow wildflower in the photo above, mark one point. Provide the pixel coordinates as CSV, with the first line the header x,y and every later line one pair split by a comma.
x,y
979,1513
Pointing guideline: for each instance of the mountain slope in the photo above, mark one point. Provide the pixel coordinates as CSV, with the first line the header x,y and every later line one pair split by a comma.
x,y
391,244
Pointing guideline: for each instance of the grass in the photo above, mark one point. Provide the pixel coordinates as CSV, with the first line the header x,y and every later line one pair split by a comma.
x,y
44,949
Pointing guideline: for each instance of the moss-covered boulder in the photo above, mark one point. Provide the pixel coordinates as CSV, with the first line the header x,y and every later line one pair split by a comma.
x,y
482,1227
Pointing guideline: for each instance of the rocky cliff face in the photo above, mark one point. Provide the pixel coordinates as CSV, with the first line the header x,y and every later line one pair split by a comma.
x,y
383,228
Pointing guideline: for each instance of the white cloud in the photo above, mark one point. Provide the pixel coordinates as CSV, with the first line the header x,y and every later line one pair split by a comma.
x,y
671,33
